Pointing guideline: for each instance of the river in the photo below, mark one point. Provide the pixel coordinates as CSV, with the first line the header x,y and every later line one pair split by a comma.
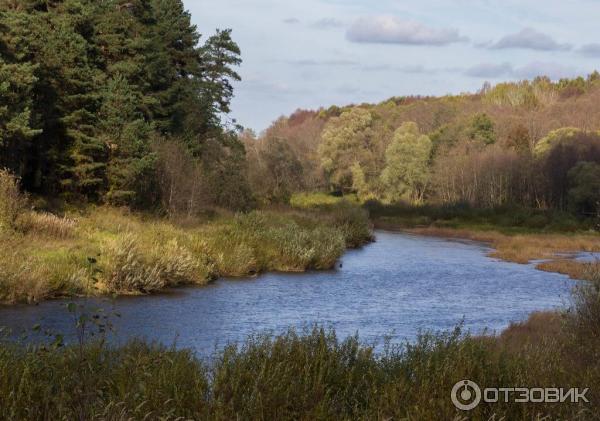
x,y
396,287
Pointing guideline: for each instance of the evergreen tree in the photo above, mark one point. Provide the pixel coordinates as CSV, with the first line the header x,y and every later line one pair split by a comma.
x,y
173,65
127,135
17,123
87,87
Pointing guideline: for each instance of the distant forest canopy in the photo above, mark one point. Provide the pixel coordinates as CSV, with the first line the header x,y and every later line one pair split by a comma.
x,y
529,143
120,102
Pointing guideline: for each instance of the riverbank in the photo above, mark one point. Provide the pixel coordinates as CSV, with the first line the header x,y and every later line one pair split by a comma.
x,y
551,252
311,374
550,239
112,251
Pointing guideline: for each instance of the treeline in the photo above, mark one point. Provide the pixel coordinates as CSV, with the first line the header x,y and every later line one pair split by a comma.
x,y
119,102
125,103
531,143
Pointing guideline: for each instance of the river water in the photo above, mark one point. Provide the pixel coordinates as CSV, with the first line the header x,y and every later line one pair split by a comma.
x,y
396,287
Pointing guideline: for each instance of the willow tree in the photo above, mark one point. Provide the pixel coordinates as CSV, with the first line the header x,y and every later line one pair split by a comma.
x,y
406,173
346,140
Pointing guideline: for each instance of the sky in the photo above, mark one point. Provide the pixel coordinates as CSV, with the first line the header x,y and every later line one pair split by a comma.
x,y
316,53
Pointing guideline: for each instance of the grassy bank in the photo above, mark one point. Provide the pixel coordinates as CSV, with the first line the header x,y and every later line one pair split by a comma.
x,y
312,375
549,251
105,250
112,251
516,234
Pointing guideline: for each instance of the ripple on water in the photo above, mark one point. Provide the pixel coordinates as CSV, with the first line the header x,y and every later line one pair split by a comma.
x,y
397,286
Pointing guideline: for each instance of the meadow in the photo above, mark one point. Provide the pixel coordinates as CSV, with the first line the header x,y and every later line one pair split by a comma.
x,y
106,250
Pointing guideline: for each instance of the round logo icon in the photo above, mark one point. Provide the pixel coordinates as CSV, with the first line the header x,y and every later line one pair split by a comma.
x,y
466,395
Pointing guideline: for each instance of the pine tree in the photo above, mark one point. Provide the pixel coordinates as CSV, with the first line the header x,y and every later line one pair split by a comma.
x,y
173,65
69,60
17,122
128,135
87,87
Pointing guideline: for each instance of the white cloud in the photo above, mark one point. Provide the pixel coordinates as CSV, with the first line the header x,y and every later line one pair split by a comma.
x,y
530,39
392,30
408,69
291,21
333,62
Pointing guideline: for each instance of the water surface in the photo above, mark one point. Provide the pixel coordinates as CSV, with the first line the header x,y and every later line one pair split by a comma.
x,y
397,286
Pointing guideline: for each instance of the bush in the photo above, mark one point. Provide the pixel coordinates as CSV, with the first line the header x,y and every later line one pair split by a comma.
x,y
21,279
178,266
313,200
12,202
586,315
261,241
354,223
113,251
135,269
537,221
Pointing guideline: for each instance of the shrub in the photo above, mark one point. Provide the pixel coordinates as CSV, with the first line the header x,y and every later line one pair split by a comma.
x,y
135,269
587,304
327,244
21,279
261,241
537,221
301,248
12,202
238,261
354,223
308,375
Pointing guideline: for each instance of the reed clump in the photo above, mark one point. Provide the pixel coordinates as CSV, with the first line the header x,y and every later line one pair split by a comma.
x,y
311,374
47,225
108,250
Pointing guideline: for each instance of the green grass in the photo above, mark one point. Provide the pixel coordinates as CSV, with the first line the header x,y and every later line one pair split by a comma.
x,y
307,200
509,220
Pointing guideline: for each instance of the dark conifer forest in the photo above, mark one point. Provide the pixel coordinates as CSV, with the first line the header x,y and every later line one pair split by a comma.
x,y
98,98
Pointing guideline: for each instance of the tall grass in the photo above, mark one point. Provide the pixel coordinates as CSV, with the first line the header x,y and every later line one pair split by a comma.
x,y
12,202
107,250
344,213
309,375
